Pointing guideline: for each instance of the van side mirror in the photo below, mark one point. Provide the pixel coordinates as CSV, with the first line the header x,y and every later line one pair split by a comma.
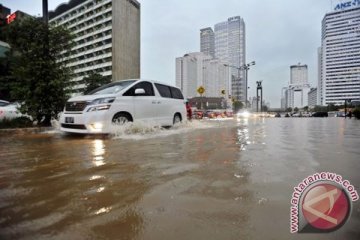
x,y
139,91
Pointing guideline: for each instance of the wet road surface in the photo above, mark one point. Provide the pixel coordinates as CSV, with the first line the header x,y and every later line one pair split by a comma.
x,y
206,180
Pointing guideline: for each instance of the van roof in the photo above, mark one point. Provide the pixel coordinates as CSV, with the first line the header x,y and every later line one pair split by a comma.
x,y
153,81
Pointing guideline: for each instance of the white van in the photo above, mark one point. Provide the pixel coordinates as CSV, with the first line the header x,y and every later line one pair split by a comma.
x,y
123,101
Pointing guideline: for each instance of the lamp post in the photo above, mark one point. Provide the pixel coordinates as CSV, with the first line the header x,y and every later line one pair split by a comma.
x,y
245,67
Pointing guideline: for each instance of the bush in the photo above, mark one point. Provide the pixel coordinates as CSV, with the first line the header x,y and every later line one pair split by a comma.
x,y
20,122
356,112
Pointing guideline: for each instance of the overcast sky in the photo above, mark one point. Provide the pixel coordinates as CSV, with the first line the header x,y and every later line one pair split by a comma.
x,y
279,33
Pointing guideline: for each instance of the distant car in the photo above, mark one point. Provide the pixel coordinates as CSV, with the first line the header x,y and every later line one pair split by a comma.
x,y
198,114
229,113
210,114
340,114
297,114
287,115
123,101
320,114
277,115
10,111
3,103
306,114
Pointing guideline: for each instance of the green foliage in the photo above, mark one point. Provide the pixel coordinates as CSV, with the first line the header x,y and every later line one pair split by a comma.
x,y
306,108
20,122
5,78
356,112
320,109
289,109
237,105
42,82
296,109
265,108
94,81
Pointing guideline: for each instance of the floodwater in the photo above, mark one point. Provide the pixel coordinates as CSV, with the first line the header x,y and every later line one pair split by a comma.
x,y
204,180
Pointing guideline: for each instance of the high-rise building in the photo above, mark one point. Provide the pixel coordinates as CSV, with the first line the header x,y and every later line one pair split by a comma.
x,y
4,12
341,54
230,48
207,41
312,97
198,69
298,75
297,91
107,37
320,83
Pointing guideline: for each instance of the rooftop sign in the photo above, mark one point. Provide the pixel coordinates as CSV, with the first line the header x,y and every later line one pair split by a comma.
x,y
347,4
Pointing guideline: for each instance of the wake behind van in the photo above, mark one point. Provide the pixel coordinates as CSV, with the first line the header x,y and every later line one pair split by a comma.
x,y
124,101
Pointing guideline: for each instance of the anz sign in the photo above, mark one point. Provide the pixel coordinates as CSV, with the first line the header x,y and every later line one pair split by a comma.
x,y
347,4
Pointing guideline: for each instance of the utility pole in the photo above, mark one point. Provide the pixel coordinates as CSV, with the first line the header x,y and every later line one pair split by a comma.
x,y
45,11
259,87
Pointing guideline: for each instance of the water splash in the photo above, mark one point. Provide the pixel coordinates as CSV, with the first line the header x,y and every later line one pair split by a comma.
x,y
139,130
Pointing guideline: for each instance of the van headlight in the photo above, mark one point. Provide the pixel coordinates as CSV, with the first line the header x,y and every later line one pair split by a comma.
x,y
102,100
106,101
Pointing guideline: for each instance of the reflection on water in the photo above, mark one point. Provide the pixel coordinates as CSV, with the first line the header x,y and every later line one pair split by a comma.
x,y
98,152
202,180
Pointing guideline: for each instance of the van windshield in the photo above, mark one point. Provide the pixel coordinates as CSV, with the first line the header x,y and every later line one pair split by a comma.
x,y
112,88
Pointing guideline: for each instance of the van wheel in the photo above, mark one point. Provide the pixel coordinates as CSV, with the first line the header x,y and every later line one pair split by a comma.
x,y
121,118
177,118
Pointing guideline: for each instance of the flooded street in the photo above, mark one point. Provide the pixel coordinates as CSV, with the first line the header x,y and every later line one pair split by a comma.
x,y
205,180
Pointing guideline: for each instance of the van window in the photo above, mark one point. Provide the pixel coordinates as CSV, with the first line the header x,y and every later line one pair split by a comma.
x,y
111,88
147,86
176,93
163,90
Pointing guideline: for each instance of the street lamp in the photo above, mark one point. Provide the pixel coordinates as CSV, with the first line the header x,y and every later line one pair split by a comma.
x,y
245,67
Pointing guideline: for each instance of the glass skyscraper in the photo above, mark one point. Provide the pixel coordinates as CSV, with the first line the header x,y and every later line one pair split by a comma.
x,y
229,47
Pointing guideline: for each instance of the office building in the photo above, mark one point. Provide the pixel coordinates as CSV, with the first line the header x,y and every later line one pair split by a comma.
x,y
107,38
227,43
230,48
4,12
296,93
198,69
312,97
207,41
298,75
340,56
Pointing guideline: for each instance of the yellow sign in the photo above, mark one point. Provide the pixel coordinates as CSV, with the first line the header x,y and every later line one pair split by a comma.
x,y
201,90
223,92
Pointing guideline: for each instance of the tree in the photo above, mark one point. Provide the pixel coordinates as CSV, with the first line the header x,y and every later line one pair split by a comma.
x,y
289,109
237,105
94,81
42,81
5,77
265,108
306,108
296,109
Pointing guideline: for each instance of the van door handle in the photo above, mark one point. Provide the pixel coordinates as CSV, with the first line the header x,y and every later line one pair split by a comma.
x,y
153,102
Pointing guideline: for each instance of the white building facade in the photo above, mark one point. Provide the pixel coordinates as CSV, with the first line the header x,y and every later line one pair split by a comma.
x,y
198,69
340,64
298,89
312,97
107,38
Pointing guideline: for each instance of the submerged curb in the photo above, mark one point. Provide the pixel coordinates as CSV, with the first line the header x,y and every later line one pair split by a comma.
x,y
26,130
